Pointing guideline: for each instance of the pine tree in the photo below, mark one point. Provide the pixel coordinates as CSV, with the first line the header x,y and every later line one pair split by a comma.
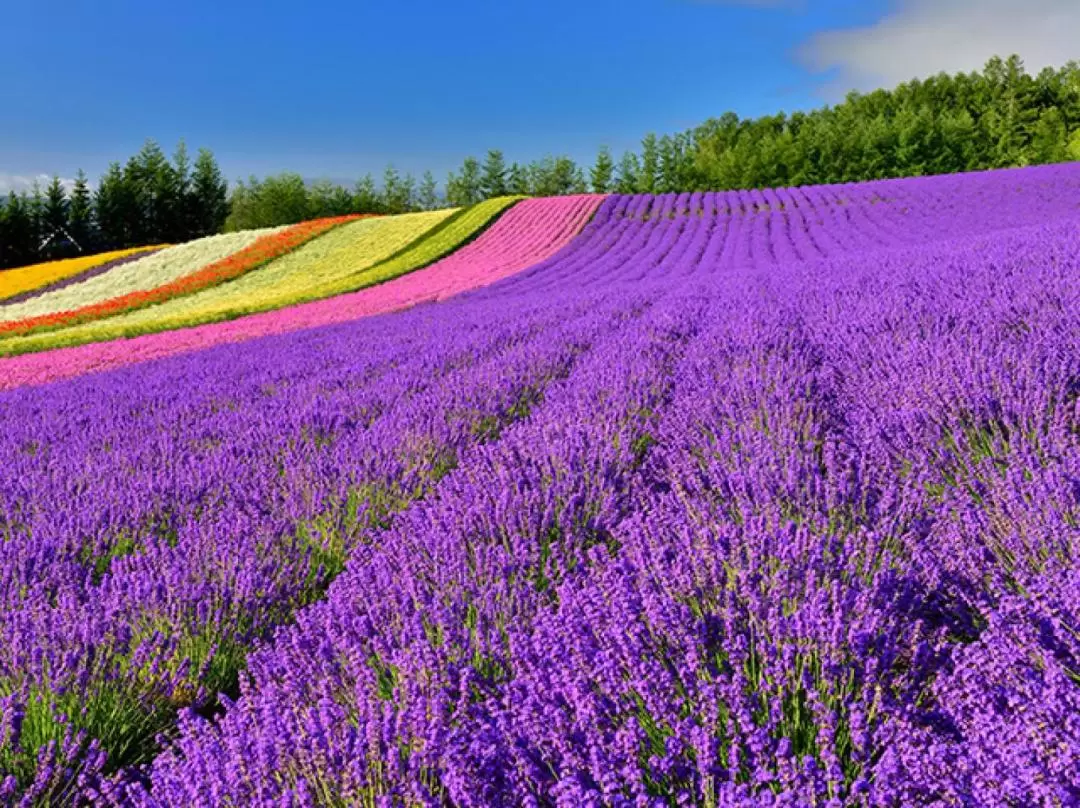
x,y
18,232
493,180
366,196
629,170
79,214
602,171
517,182
182,223
111,209
152,181
464,189
4,237
209,192
428,197
393,191
36,209
54,220
650,164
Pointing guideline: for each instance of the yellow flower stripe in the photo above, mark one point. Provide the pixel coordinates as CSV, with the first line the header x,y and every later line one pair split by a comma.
x,y
330,268
139,275
334,256
24,279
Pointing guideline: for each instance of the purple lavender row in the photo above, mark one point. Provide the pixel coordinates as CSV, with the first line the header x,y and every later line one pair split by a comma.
x,y
78,277
815,223
767,541
167,619
383,676
792,601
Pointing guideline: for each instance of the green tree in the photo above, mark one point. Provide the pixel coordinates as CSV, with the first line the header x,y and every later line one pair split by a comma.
x,y
493,179
517,181
464,189
36,208
209,196
398,191
629,171
181,224
152,181
17,248
1073,149
602,172
650,164
54,221
427,197
326,198
276,200
113,208
80,214
366,196
1049,140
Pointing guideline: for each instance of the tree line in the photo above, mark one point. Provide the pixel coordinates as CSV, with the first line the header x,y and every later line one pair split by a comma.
x,y
999,117
150,200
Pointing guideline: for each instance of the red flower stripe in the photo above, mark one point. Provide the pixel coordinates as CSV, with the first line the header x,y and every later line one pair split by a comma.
x,y
253,256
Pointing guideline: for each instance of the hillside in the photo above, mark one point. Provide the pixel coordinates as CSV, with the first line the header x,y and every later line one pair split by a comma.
x,y
703,498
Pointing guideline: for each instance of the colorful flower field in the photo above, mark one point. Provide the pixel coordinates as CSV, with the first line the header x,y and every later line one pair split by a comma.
x,y
17,285
717,499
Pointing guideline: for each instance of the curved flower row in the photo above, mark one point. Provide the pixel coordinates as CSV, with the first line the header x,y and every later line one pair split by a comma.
x,y
255,255
145,273
39,278
530,232
439,241
336,256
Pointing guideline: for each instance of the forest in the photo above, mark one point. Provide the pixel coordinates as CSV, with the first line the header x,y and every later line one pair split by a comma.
x,y
997,118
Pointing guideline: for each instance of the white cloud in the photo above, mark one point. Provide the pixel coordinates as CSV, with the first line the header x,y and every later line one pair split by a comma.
x,y
24,182
918,38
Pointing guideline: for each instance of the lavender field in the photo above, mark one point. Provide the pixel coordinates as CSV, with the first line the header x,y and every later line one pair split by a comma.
x,y
742,498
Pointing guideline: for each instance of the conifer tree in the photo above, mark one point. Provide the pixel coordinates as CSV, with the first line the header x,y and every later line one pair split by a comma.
x,y
493,180
182,221
36,208
427,197
80,213
109,209
602,171
464,188
650,164
393,192
54,220
517,181
629,169
366,196
19,247
209,192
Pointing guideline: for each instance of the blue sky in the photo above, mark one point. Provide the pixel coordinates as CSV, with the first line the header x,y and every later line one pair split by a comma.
x,y
343,87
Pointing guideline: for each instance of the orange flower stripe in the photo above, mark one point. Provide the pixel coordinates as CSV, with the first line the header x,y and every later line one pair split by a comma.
x,y
255,255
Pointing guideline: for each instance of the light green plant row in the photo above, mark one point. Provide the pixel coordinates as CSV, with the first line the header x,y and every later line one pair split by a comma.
x,y
347,259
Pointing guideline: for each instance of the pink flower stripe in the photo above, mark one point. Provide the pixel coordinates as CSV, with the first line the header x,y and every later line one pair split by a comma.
x,y
526,234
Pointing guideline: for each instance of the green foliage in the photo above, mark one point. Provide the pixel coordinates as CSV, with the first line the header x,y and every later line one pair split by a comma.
x,y
965,122
999,117
427,198
603,171
17,244
493,180
629,169
650,165
517,182
1073,149
464,188
54,221
80,213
